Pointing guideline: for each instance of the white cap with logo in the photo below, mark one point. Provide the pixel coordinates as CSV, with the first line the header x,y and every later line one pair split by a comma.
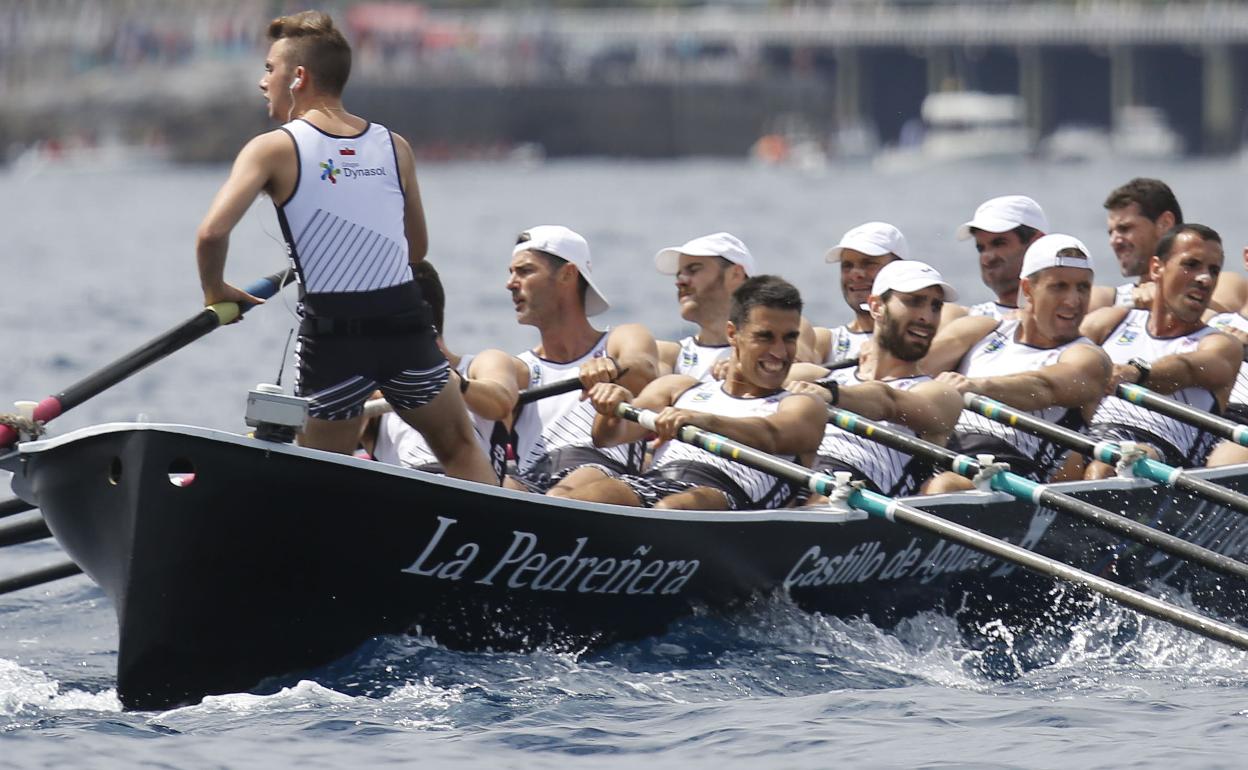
x,y
908,275
873,239
721,244
568,245
1046,252
1001,215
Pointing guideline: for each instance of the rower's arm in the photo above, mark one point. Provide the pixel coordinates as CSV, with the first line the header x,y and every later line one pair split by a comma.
x,y
1212,365
807,343
634,349
796,427
951,312
610,430
668,353
1102,296
1231,292
930,409
822,343
413,210
1077,378
953,341
492,390
805,373
1097,325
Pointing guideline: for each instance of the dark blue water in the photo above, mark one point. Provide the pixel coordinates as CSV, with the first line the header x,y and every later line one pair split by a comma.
x,y
94,264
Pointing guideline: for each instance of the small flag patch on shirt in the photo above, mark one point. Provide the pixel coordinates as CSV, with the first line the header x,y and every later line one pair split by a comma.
x,y
346,151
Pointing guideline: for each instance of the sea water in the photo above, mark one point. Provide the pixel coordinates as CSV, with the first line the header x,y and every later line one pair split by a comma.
x,y
94,264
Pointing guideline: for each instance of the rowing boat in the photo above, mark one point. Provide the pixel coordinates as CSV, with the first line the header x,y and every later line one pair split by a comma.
x,y
230,559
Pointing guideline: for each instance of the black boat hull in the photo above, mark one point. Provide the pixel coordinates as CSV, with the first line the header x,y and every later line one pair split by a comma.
x,y
275,558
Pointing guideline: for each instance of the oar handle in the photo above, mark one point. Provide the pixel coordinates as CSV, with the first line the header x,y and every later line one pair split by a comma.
x,y
180,336
556,388
1219,426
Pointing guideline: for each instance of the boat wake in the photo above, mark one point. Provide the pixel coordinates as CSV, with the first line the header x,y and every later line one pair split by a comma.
x,y
25,692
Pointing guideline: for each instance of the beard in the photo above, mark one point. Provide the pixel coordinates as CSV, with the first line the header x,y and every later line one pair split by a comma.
x,y
891,338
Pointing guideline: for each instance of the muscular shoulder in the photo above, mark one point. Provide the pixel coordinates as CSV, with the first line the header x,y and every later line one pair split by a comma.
x,y
629,337
1102,296
1098,324
1090,358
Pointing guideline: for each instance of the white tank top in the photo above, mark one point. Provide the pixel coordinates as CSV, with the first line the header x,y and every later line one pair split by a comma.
x,y
992,309
562,421
1124,295
762,489
999,354
844,344
400,444
344,222
893,473
1239,392
1130,339
696,360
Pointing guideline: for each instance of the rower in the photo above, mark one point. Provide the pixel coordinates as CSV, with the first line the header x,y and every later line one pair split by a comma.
x,y
1036,361
349,204
1167,348
708,270
904,302
860,254
750,406
489,381
1236,325
1003,228
552,287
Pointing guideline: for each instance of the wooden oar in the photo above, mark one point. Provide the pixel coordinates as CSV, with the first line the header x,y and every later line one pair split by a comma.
x,y
14,507
892,510
24,532
39,576
1107,452
175,339
379,406
1025,489
1218,426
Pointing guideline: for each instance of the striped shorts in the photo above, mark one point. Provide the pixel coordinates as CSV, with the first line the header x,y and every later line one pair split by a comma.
x,y
338,373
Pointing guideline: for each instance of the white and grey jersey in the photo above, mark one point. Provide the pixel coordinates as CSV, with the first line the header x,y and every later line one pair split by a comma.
x,y
1131,339
845,344
991,309
400,444
695,360
1223,321
1124,295
998,354
762,489
892,472
563,421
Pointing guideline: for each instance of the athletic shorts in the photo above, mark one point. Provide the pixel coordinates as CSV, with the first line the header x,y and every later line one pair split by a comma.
x,y
554,467
975,444
653,486
1237,413
338,372
830,465
1170,454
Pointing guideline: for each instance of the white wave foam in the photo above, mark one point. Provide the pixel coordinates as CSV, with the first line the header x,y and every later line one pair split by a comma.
x,y
304,695
23,690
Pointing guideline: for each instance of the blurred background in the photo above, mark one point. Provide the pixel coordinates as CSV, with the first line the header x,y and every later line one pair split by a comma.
x,y
897,82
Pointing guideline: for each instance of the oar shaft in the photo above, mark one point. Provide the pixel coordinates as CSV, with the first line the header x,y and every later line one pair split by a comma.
x,y
39,576
892,510
24,532
14,506
1026,489
176,338
1218,426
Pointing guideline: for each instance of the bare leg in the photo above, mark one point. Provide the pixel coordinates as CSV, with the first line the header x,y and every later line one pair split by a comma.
x,y
575,480
341,436
696,499
1071,470
606,490
945,482
445,425
1227,453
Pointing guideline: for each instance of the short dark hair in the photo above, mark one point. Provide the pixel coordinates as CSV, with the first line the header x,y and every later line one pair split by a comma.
x,y
554,262
1166,245
1153,196
763,291
317,44
430,284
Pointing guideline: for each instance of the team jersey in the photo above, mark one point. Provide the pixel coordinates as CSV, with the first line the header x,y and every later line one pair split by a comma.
x,y
695,360
845,344
344,224
991,309
1131,339
762,489
999,354
400,444
1239,392
1124,295
892,472
563,421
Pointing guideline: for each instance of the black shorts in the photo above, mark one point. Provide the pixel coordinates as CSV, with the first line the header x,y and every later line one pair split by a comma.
x,y
675,478
830,465
1170,454
1237,413
338,372
552,468
975,444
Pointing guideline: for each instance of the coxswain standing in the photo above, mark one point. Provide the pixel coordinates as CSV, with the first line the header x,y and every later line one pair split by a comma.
x,y
552,288
350,211
1168,349
1037,362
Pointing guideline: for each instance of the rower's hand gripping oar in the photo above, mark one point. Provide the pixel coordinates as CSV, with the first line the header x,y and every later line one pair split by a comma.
x,y
883,507
379,406
175,339
1218,426
997,478
1128,464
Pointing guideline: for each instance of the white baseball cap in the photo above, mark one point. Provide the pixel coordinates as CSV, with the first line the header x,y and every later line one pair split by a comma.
x,y
1001,215
566,244
873,239
908,275
1045,253
724,245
